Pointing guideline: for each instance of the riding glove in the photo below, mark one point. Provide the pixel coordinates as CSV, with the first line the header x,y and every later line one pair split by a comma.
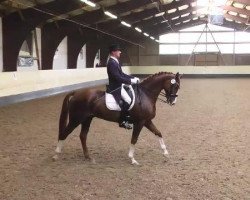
x,y
135,80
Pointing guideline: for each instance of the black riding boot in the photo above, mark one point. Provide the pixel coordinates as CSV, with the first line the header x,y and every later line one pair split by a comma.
x,y
124,117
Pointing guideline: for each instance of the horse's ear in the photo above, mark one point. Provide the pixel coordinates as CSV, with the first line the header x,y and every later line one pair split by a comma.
x,y
178,75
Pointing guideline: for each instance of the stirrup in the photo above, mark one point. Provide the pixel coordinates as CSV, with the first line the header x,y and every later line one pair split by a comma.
x,y
125,125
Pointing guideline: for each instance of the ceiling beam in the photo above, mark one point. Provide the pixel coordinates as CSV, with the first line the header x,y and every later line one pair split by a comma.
x,y
133,17
170,25
89,17
59,7
108,26
246,2
236,26
176,4
128,6
164,8
97,16
237,18
2,1
181,26
137,16
154,20
238,10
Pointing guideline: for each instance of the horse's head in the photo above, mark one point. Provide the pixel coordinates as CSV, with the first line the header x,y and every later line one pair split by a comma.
x,y
171,87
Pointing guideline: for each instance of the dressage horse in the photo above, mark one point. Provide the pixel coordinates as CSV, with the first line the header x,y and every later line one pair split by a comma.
x,y
80,107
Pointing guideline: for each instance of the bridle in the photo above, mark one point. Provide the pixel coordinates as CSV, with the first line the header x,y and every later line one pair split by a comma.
x,y
170,94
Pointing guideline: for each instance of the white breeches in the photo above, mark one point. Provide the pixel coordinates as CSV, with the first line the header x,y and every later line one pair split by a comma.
x,y
125,96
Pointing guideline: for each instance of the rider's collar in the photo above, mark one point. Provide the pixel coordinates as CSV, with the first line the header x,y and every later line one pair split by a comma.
x,y
114,59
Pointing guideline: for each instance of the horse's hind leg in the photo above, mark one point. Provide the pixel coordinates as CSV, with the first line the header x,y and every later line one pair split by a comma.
x,y
83,136
150,126
62,136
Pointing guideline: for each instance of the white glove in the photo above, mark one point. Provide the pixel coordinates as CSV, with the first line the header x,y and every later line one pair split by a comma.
x,y
135,80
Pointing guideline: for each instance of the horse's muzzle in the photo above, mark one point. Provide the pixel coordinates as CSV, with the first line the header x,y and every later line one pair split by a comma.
x,y
172,101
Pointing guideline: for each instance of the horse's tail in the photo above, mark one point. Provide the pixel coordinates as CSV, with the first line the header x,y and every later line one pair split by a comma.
x,y
64,114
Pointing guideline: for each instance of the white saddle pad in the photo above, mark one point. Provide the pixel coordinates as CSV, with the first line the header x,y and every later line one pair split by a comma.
x,y
111,102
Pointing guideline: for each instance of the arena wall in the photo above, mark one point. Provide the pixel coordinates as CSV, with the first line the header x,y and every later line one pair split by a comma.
x,y
24,85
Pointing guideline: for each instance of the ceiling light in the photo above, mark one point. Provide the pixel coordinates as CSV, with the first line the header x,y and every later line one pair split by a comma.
x,y
89,3
229,2
185,15
152,38
172,10
230,20
157,41
183,7
138,29
174,18
244,16
146,34
232,13
186,21
125,24
238,5
110,14
193,4
159,14
164,21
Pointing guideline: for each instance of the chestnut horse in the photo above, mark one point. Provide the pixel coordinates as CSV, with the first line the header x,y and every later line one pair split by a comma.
x,y
82,106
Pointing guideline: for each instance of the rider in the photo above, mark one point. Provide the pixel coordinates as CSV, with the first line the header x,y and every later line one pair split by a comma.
x,y
116,79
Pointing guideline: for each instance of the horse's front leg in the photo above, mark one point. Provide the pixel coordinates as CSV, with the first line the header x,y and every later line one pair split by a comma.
x,y
150,126
136,132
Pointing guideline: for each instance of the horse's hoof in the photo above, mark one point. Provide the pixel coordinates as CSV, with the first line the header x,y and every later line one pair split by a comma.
x,y
55,157
58,150
87,159
93,161
134,162
166,155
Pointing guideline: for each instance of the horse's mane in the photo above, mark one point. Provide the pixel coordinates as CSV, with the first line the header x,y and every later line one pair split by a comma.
x,y
149,78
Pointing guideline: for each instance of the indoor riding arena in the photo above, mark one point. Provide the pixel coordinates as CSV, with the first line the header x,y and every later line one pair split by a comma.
x,y
190,115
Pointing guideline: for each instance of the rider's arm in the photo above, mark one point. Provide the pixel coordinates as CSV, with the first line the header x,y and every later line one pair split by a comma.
x,y
115,73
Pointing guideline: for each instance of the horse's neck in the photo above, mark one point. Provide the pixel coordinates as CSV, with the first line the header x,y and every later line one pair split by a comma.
x,y
153,87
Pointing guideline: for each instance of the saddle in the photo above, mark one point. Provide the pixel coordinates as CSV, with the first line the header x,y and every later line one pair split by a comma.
x,y
111,103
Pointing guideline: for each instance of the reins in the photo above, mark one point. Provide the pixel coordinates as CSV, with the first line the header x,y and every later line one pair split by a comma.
x,y
163,95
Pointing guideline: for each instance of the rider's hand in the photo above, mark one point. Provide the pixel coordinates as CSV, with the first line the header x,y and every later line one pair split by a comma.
x,y
135,80
138,80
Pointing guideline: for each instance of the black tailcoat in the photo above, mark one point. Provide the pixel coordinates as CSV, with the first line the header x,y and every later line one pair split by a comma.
x,y
116,78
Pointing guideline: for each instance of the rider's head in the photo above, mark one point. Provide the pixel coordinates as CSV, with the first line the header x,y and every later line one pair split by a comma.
x,y
115,50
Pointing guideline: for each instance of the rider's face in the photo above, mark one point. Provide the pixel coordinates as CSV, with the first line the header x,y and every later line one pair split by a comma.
x,y
116,53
